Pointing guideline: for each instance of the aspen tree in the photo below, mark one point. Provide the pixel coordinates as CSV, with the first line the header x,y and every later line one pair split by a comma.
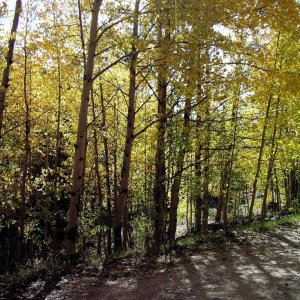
x,y
79,157
125,172
178,175
263,136
9,60
159,190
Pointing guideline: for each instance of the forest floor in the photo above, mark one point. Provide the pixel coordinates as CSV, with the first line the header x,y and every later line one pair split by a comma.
x,y
244,266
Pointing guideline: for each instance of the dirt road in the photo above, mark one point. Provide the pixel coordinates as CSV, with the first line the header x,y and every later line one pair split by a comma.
x,y
261,266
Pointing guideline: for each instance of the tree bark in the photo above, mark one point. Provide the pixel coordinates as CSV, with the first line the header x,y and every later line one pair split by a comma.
x,y
125,171
294,182
207,140
79,157
26,155
198,167
57,242
9,61
234,115
287,188
260,156
206,169
159,190
263,138
177,180
107,174
222,193
98,177
273,151
198,198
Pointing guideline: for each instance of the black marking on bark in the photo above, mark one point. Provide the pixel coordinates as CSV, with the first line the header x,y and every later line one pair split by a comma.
x,y
72,234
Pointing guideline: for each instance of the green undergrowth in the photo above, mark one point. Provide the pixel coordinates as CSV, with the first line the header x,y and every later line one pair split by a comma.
x,y
48,270
262,226
194,241
191,241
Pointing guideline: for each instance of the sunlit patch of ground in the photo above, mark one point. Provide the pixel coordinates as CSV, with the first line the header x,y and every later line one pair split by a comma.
x,y
263,266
